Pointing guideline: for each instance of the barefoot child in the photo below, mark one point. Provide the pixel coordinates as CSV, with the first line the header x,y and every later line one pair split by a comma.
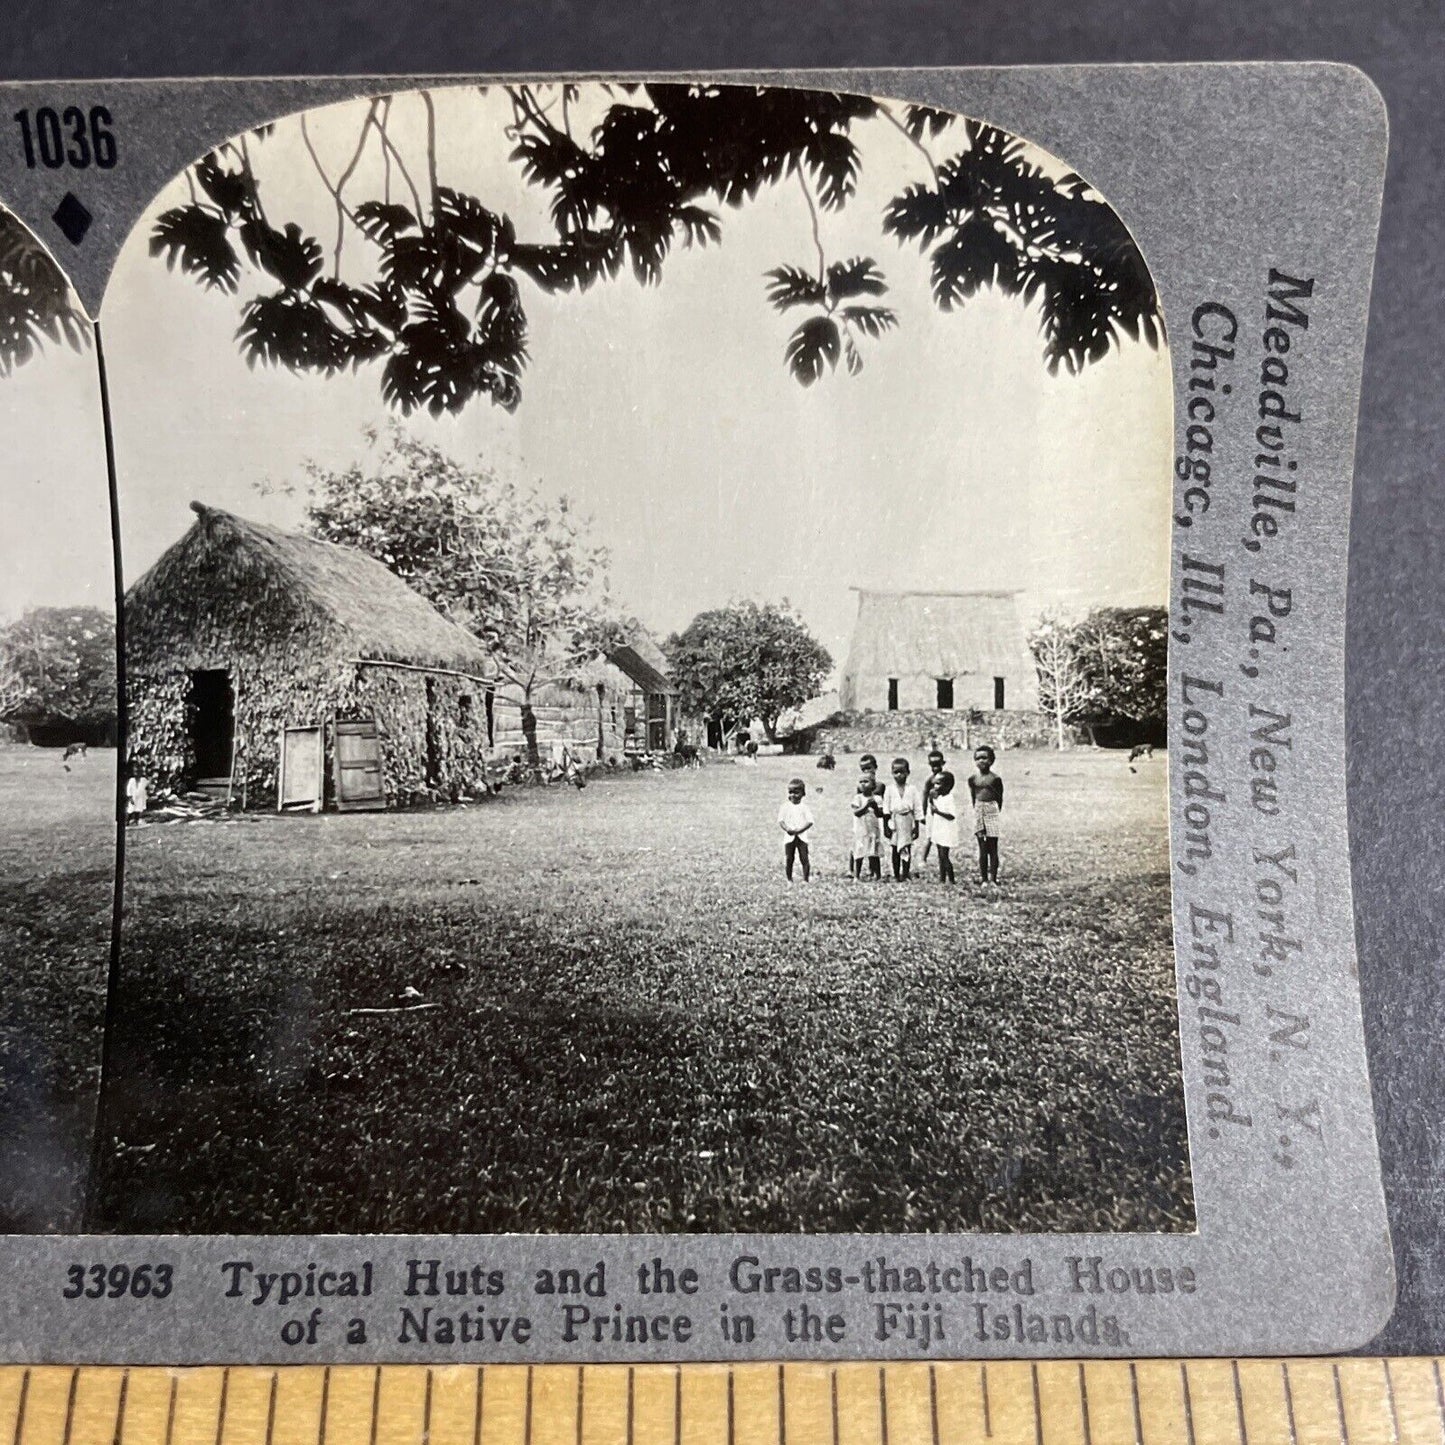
x,y
795,818
902,805
935,769
867,829
985,788
943,825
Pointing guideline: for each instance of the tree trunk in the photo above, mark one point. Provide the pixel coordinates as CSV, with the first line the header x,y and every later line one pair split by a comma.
x,y
601,739
1058,728
529,731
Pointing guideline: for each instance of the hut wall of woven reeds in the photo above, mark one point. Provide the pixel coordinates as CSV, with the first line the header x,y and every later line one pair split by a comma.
x,y
938,651
290,632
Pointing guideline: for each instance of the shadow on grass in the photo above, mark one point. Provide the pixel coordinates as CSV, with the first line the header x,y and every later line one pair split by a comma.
x,y
636,1081
54,944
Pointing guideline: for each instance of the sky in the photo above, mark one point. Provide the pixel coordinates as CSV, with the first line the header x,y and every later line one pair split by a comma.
x,y
954,461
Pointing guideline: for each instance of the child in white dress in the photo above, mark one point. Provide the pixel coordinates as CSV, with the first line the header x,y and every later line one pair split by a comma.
x,y
943,826
867,829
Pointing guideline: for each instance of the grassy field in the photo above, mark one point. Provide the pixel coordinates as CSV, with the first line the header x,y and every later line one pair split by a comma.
x,y
642,1026
57,874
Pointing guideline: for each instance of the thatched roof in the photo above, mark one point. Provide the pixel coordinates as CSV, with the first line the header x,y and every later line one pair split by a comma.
x,y
331,597
938,634
645,663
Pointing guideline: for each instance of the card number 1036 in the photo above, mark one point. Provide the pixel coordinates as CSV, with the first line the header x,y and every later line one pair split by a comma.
x,y
116,1281
71,137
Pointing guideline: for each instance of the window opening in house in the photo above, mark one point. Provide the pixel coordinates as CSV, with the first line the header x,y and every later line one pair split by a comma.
x,y
464,711
892,694
945,693
433,737
998,694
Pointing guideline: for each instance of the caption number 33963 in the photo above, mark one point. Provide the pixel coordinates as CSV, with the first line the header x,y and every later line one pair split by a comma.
x,y
71,136
116,1281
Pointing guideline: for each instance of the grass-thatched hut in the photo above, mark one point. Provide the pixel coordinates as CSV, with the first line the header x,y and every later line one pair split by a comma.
x,y
241,631
938,651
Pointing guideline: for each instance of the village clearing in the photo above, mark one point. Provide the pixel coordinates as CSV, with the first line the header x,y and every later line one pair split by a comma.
x,y
638,1025
57,883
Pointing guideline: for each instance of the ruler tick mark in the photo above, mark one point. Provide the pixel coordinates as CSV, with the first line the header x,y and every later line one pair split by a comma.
x,y
987,1419
834,1392
1390,1396
932,1403
1084,1406
581,1387
1439,1395
1288,1401
25,1393
477,1407
782,1411
325,1406
171,1409
1340,1406
375,1403
70,1405
1138,1417
631,1415
883,1405
527,1418
120,1408
271,1410
1238,1403
677,1405
221,1408
426,1411
1038,1409
1188,1402
730,1405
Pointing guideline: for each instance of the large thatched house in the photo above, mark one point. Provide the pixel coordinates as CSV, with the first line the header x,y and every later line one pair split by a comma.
x,y
938,651
240,632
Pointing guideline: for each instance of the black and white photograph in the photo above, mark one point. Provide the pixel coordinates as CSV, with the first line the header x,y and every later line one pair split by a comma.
x,y
645,615
58,754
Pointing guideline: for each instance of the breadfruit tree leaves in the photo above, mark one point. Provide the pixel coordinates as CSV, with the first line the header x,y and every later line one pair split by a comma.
x,y
36,302
443,308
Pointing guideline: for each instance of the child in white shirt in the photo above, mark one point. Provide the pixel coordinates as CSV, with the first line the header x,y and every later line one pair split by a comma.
x,y
902,806
795,818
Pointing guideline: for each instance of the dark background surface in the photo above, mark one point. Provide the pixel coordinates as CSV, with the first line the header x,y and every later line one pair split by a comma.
x,y
1396,677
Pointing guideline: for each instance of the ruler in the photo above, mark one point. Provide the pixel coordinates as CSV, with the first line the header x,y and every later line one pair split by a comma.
x,y
1109,1402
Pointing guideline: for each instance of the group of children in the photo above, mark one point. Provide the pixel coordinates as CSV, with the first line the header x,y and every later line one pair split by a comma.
x,y
901,814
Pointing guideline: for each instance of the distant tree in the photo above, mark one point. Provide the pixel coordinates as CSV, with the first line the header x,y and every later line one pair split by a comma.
x,y
438,295
746,661
1125,654
13,687
515,570
64,658
1065,689
36,301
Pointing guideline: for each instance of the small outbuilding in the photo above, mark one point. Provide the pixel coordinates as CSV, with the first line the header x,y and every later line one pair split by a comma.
x,y
938,651
650,705
244,643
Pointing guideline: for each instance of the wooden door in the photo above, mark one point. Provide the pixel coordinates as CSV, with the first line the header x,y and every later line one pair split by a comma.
x,y
302,769
357,766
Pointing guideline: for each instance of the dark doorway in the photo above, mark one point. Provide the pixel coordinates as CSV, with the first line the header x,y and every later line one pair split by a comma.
x,y
213,724
892,694
945,694
998,694
657,739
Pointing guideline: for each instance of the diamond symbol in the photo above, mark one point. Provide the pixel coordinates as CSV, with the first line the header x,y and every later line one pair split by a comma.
x,y
72,218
